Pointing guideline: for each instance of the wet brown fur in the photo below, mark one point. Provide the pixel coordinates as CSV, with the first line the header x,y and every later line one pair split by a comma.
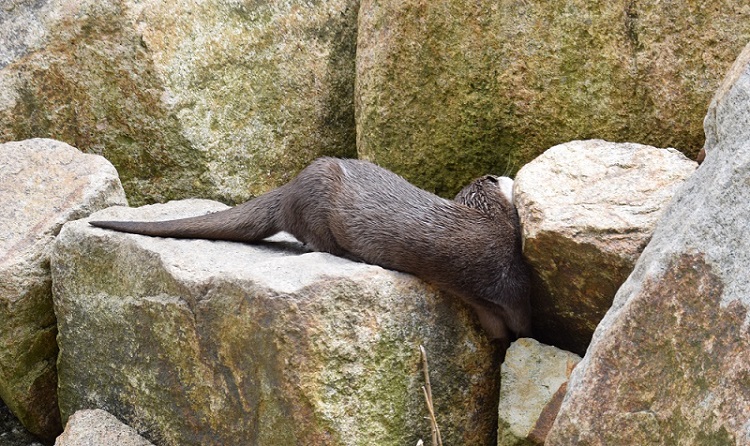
x,y
469,247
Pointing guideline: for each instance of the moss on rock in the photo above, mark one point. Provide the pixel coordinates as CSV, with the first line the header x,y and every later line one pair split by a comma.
x,y
447,91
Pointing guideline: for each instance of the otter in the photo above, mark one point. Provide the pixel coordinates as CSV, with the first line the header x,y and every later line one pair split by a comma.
x,y
469,247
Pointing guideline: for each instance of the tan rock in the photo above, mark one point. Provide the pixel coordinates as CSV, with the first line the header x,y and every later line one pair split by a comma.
x,y
218,343
98,428
588,208
43,184
533,383
186,98
669,364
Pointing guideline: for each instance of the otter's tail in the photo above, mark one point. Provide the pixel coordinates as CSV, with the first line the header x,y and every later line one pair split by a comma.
x,y
249,222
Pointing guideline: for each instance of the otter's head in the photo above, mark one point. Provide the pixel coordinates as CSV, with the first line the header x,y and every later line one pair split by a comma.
x,y
488,193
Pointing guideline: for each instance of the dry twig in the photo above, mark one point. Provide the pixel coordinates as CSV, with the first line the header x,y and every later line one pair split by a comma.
x,y
427,389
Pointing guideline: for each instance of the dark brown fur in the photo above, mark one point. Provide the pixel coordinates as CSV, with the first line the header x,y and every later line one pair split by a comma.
x,y
470,247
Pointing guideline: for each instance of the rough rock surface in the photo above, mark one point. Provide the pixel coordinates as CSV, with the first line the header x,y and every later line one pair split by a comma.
x,y
726,121
588,208
533,382
213,98
670,362
98,428
194,342
43,184
447,90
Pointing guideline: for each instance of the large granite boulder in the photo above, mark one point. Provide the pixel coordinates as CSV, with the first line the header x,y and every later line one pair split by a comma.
x,y
447,90
670,362
196,342
98,428
211,98
43,184
588,208
534,380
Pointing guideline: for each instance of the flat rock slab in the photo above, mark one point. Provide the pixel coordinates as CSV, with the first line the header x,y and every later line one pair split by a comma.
x,y
43,184
533,383
196,342
98,428
588,208
669,364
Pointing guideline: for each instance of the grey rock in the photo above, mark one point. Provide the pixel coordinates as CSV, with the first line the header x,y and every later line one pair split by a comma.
x,y
669,363
533,384
196,342
98,428
588,208
727,118
21,28
43,184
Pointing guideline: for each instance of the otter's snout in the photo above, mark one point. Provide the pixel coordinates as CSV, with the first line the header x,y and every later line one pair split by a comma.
x,y
506,187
